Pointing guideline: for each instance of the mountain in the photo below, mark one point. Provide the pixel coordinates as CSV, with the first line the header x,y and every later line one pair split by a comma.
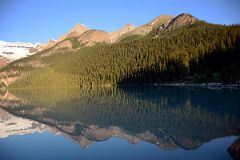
x,y
16,50
92,37
183,49
162,22
50,43
179,21
85,36
88,37
114,36
76,31
146,28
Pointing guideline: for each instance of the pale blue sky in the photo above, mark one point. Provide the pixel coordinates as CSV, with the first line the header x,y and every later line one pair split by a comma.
x,y
41,20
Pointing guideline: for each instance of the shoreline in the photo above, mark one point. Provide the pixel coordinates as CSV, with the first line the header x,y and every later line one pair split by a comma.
x,y
203,85
211,85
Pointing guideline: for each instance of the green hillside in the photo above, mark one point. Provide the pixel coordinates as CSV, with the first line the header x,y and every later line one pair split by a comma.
x,y
195,53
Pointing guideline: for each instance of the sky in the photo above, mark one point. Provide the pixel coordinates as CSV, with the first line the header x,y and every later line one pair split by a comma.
x,y
41,20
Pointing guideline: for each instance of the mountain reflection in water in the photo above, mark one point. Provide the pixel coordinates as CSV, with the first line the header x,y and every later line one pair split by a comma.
x,y
169,117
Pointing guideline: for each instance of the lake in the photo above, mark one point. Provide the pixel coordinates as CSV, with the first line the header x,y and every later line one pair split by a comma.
x,y
128,122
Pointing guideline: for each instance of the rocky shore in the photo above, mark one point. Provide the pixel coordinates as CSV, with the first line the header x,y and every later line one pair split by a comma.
x,y
234,149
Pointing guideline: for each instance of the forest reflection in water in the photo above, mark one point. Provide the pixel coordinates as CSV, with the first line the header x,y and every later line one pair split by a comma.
x,y
169,117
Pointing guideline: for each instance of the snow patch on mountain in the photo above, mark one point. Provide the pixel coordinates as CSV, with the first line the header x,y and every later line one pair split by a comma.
x,y
17,50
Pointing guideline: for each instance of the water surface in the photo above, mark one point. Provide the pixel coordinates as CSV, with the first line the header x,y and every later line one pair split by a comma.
x,y
131,122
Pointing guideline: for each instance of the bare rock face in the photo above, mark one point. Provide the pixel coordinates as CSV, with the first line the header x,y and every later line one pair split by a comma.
x,y
4,61
179,21
234,149
145,29
63,44
92,37
50,43
76,31
114,36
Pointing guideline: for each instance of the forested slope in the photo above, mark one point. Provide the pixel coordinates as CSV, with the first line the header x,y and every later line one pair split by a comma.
x,y
199,52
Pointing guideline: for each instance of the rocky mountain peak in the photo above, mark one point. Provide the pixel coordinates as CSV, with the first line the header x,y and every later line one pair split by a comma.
x,y
76,31
88,37
180,20
163,18
79,28
129,26
185,18
148,27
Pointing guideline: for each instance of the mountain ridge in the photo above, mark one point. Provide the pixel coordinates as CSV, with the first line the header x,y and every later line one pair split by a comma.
x,y
178,21
146,28
114,36
127,30
185,50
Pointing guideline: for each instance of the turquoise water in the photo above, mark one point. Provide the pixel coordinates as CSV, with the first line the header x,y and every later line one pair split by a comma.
x,y
131,122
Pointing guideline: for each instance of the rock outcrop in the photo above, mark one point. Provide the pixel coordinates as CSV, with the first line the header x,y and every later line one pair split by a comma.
x,y
92,37
63,44
179,21
75,31
234,149
146,28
